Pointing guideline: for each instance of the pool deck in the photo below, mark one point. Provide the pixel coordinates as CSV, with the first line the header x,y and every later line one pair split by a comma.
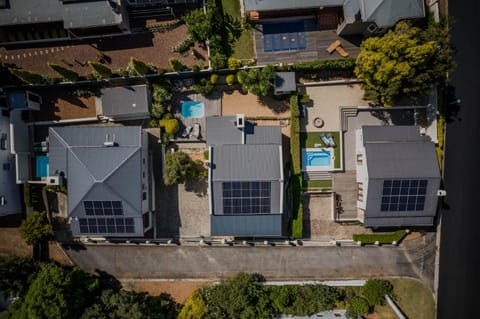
x,y
318,41
213,107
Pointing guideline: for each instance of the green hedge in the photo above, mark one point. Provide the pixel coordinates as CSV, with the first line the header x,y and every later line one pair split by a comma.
x,y
297,180
385,238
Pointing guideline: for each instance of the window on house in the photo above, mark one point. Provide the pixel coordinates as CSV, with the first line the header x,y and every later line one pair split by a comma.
x,y
359,158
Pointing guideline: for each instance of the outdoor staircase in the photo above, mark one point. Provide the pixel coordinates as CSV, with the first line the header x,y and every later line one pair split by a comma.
x,y
345,113
317,176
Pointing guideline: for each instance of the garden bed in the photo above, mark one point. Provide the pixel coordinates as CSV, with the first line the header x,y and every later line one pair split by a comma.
x,y
384,238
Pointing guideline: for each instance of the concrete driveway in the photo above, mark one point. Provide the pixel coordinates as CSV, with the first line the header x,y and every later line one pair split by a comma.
x,y
276,263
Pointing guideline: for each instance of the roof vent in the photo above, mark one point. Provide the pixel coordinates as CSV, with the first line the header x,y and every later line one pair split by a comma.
x,y
109,142
240,121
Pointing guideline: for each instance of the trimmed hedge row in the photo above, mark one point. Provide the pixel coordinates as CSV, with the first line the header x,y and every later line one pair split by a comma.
x,y
297,207
381,238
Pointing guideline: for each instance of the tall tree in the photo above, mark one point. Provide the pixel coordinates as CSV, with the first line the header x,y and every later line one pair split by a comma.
x,y
16,274
65,73
35,228
28,76
138,66
179,167
100,71
405,61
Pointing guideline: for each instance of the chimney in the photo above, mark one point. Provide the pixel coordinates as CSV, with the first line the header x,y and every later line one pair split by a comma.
x,y
240,121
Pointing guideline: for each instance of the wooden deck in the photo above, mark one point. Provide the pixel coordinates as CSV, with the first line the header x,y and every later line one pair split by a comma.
x,y
318,40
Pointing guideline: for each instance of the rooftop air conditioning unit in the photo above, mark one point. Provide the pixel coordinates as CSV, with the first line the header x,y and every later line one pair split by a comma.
x,y
53,180
240,121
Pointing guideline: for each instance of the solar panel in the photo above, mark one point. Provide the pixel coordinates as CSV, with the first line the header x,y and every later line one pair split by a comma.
x,y
242,198
103,208
107,225
403,195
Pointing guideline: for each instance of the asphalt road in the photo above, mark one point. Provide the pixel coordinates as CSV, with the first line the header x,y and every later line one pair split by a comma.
x,y
275,263
460,234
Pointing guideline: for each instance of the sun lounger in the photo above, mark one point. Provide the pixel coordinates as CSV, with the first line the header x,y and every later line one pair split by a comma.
x,y
196,131
331,142
186,131
333,46
325,140
342,52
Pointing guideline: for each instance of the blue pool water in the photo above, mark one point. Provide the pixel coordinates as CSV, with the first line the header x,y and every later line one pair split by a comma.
x,y
321,157
193,110
41,167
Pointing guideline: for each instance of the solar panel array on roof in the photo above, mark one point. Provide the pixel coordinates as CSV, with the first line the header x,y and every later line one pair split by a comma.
x,y
404,195
103,208
107,225
241,198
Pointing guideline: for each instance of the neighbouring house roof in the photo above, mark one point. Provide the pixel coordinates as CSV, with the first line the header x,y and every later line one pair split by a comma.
x,y
267,5
96,172
126,102
9,190
81,14
399,153
385,13
285,82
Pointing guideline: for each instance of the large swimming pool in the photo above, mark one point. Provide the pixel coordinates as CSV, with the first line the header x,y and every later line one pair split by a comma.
x,y
193,109
317,159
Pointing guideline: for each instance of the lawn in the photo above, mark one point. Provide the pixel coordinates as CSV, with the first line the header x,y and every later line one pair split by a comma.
x,y
317,184
243,47
384,238
414,299
308,140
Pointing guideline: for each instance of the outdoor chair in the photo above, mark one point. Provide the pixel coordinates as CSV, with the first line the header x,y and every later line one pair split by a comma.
x,y
186,131
333,46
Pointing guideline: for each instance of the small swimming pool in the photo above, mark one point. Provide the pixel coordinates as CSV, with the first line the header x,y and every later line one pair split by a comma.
x,y
41,167
317,159
193,109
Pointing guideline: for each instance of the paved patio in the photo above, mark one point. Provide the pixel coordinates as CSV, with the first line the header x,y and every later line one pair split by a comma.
x,y
250,105
318,40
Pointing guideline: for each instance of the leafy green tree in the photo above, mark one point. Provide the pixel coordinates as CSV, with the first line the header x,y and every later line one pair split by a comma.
x,y
203,87
65,73
375,290
16,274
99,70
28,76
359,305
405,61
194,307
199,24
161,94
130,305
56,293
179,167
171,126
242,76
35,228
233,63
139,67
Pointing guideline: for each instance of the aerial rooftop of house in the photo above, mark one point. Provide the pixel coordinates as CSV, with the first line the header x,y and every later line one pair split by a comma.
x,y
245,177
398,176
124,103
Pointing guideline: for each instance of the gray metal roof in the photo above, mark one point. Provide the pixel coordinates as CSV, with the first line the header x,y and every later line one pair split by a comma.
x,y
83,14
402,160
125,102
221,130
9,189
246,163
90,14
267,5
397,133
285,82
246,226
95,171
385,13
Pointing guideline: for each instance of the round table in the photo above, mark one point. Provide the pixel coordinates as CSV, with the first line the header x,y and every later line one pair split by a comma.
x,y
318,122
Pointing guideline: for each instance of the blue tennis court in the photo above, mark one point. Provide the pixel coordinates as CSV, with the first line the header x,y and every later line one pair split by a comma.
x,y
284,36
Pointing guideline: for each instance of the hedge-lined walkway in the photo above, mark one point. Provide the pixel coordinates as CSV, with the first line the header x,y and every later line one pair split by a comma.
x,y
153,48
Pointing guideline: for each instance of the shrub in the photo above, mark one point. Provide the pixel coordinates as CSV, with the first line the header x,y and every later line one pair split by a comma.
x,y
154,123
241,76
195,68
359,305
297,180
54,33
46,35
233,63
304,99
230,79
37,35
206,155
28,76
185,45
20,36
160,93
176,65
35,228
29,35
381,238
62,33
203,87
139,67
167,116
217,61
179,167
375,290
214,78
99,70
157,110
161,71
171,126
65,73
83,92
